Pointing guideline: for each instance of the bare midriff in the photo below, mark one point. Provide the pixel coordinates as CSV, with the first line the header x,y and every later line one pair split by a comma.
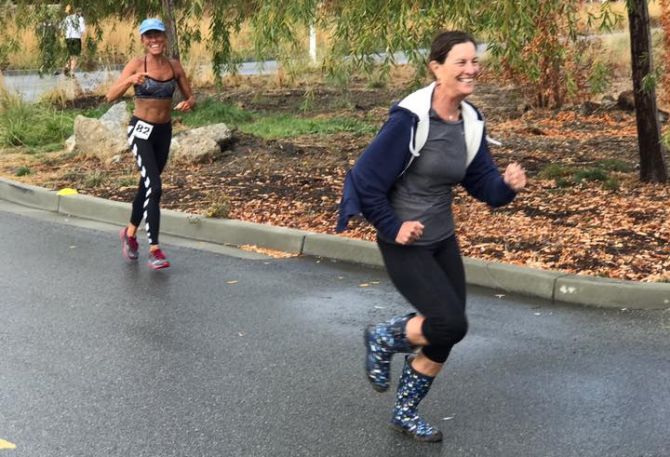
x,y
153,110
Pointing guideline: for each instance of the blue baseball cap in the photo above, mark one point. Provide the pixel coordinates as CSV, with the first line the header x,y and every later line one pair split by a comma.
x,y
151,24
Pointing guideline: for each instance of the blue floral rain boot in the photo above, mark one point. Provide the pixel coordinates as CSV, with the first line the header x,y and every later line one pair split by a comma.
x,y
413,386
381,342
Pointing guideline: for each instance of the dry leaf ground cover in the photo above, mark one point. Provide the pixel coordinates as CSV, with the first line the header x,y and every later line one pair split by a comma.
x,y
584,210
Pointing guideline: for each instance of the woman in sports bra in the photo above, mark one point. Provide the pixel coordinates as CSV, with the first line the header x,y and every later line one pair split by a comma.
x,y
154,78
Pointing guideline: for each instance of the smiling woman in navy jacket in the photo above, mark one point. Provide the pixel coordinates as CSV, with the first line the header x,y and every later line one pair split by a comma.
x,y
403,184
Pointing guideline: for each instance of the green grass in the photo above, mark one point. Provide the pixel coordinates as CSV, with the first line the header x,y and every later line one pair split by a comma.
x,y
554,171
270,126
211,111
287,126
615,165
38,128
95,179
591,174
43,128
568,176
127,181
94,112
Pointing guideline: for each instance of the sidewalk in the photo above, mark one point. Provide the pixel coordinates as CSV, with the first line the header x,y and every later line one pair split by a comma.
x,y
549,285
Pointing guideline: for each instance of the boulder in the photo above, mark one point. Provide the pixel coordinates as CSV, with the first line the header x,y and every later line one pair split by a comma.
x,y
200,144
103,138
626,100
106,138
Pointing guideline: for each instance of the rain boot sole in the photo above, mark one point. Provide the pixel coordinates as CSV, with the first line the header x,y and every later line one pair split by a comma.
x,y
434,438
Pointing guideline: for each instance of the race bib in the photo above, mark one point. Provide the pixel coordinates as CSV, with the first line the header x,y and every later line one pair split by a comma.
x,y
142,130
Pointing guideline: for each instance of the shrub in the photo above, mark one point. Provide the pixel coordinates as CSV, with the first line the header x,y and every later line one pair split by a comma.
x,y
37,127
23,171
554,171
591,174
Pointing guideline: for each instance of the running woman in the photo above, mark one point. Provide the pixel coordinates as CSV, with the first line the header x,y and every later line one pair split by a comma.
x,y
403,184
155,77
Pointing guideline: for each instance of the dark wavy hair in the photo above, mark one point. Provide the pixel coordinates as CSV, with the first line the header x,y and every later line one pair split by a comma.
x,y
444,41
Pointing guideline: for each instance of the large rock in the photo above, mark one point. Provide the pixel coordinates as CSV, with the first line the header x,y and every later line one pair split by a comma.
x,y
106,138
103,138
201,144
626,100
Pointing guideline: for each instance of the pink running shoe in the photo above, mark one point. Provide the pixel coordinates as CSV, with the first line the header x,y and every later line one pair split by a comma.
x,y
129,246
157,260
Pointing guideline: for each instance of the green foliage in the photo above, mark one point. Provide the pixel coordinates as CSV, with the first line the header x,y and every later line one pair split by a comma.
x,y
649,82
666,139
37,127
308,100
553,171
220,206
591,174
568,176
287,126
127,181
94,112
534,43
611,184
211,111
599,79
48,28
23,171
615,165
94,179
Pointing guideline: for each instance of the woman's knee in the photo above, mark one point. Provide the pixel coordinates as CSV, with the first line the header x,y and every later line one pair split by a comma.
x,y
445,331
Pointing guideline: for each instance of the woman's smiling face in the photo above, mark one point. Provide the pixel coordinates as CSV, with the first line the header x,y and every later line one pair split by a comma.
x,y
459,71
154,41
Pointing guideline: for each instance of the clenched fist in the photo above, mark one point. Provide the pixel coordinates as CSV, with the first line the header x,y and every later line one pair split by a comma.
x,y
515,177
137,78
409,232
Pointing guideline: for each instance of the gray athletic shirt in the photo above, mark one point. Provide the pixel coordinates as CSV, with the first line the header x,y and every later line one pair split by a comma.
x,y
424,192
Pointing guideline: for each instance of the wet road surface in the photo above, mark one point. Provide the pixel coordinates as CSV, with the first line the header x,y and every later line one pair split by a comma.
x,y
237,356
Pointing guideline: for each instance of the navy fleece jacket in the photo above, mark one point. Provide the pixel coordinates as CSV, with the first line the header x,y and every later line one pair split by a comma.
x,y
398,143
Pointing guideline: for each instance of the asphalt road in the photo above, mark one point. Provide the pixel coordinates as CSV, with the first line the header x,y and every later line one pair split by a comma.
x,y
231,354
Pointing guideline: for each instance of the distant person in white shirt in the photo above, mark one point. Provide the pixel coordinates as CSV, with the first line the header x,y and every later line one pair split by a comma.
x,y
74,28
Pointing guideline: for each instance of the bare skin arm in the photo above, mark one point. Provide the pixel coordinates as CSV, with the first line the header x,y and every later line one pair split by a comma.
x,y
128,77
184,87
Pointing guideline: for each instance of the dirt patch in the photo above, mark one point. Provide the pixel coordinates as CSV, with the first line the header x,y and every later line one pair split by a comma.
x,y
616,228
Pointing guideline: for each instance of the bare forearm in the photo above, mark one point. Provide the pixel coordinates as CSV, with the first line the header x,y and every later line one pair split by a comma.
x,y
117,90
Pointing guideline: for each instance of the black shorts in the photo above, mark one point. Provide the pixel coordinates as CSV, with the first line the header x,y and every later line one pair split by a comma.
x,y
73,46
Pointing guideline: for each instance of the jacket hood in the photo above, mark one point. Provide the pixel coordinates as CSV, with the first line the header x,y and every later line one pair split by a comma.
x,y
419,103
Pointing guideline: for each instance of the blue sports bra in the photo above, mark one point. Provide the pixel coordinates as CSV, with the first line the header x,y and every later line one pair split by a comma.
x,y
156,88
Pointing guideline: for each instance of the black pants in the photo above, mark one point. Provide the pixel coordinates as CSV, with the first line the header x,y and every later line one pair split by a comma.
x,y
150,144
73,46
432,279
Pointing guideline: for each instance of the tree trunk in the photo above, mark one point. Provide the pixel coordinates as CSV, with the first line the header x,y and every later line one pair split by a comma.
x,y
665,25
171,26
652,153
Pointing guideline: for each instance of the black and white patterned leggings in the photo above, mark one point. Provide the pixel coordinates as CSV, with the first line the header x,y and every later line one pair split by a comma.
x,y
150,145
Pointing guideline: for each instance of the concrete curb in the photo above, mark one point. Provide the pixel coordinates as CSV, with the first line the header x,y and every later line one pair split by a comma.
x,y
549,285
23,194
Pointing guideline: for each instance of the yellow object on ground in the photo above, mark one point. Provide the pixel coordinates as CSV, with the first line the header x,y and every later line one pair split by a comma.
x,y
67,191
6,445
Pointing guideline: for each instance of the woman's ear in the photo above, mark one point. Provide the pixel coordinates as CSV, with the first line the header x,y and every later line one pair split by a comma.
x,y
433,66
